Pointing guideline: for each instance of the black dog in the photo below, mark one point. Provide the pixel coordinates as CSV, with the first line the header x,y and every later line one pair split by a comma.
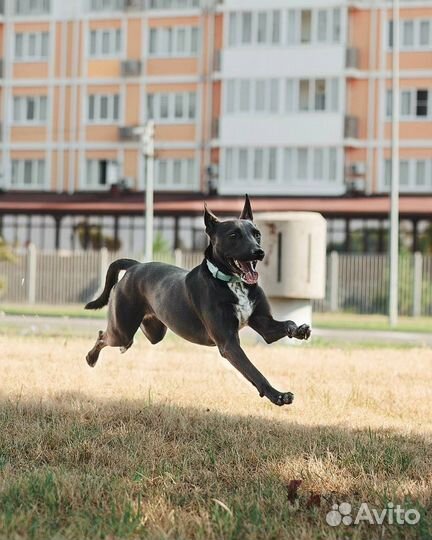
x,y
207,305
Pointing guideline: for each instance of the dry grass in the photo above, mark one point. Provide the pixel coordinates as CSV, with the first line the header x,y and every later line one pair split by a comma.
x,y
166,442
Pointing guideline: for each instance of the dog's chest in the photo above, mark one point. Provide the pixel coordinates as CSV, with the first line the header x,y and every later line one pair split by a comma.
x,y
244,306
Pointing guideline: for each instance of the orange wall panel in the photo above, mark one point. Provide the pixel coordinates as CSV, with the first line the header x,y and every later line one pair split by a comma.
x,y
105,23
171,87
134,37
132,105
359,29
30,91
412,130
104,68
173,154
104,133
30,70
173,21
28,134
172,66
358,103
173,132
130,164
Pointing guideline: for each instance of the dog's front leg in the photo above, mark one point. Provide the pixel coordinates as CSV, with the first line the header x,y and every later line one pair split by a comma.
x,y
272,330
232,351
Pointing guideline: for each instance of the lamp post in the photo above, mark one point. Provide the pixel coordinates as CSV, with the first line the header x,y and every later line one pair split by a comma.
x,y
146,132
394,196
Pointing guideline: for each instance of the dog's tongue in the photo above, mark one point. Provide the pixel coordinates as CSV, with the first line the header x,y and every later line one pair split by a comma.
x,y
250,276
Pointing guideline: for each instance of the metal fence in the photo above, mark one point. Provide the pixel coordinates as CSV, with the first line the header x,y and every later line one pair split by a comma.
x,y
355,283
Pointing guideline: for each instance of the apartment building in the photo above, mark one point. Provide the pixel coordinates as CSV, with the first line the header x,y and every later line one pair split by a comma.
x,y
287,100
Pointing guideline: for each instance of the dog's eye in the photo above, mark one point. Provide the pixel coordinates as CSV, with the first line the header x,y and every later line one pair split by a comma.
x,y
257,235
233,235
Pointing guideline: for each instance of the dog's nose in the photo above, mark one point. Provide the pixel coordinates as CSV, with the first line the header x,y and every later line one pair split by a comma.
x,y
259,254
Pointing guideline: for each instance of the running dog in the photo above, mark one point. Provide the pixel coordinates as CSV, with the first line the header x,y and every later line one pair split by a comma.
x,y
208,305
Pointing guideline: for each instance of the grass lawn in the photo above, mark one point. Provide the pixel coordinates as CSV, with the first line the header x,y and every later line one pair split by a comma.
x,y
168,442
353,321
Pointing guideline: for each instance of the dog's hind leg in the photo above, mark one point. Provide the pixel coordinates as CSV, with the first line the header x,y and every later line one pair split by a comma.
x,y
93,355
153,329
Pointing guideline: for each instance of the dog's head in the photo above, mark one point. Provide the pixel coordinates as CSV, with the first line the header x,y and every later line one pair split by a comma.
x,y
235,244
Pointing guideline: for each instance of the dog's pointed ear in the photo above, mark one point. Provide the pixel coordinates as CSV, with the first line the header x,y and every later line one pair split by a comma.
x,y
247,210
210,219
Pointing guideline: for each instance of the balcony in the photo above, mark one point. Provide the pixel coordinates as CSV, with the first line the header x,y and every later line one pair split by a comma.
x,y
131,68
127,134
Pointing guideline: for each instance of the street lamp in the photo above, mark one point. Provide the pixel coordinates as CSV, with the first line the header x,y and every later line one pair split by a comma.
x,y
394,196
146,133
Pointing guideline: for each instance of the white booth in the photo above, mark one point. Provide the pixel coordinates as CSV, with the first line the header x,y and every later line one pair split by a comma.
x,y
293,271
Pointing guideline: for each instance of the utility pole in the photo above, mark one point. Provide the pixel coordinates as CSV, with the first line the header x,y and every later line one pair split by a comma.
x,y
146,132
394,196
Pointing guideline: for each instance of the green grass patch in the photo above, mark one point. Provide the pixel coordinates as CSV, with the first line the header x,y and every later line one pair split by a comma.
x,y
352,321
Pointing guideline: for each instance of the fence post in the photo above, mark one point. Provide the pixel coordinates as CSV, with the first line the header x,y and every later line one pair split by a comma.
x,y
417,285
31,273
334,281
103,265
178,257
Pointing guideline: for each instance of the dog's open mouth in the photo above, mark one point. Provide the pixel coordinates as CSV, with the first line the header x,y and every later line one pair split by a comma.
x,y
247,271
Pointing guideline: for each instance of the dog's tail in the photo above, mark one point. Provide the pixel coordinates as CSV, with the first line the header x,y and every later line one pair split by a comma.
x,y
111,279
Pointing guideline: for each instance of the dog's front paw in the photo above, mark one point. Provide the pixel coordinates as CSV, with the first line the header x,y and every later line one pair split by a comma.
x,y
285,398
303,332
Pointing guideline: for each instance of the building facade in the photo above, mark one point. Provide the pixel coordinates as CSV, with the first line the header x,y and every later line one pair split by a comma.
x,y
283,99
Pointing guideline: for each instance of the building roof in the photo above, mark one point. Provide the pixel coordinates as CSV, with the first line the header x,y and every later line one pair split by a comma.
x,y
175,204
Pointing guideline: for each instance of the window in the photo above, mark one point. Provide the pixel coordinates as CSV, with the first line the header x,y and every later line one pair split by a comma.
x,y
415,175
422,103
425,33
336,25
264,96
303,26
303,95
276,23
243,164
106,5
246,21
302,163
408,33
301,166
172,106
175,173
262,27
413,104
32,7
174,41
406,107
274,96
101,173
322,26
306,26
29,109
230,97
420,179
320,95
260,91
173,4
28,173
31,46
404,173
414,34
103,108
106,42
244,95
